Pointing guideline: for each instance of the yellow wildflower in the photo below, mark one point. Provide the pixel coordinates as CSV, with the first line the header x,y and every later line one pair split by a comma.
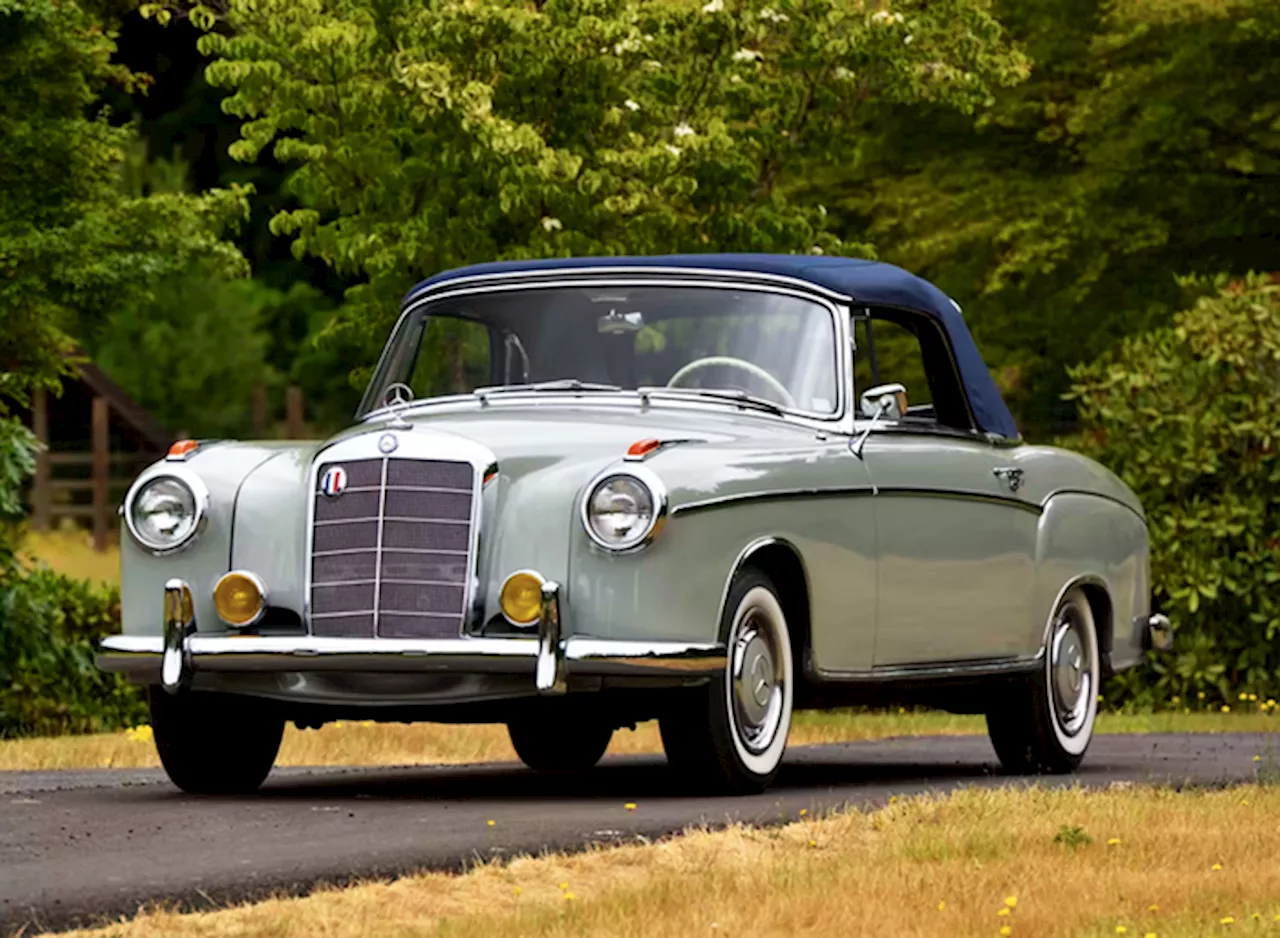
x,y
1153,908
491,823
1121,930
570,896
630,805
1226,708
804,811
942,905
1006,930
1216,867
1011,901
1226,920
1003,912
1113,842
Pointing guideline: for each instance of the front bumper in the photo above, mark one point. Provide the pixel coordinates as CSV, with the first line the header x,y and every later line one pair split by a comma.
x,y
171,660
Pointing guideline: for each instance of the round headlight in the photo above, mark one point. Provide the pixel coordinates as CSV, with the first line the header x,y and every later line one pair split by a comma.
x,y
623,509
165,511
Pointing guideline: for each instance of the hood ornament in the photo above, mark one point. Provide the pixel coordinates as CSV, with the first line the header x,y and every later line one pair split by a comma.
x,y
396,398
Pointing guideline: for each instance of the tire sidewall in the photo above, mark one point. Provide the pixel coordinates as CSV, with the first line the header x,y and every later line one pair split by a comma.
x,y
1073,746
754,593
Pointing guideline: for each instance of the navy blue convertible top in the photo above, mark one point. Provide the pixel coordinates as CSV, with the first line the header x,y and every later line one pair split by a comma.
x,y
869,282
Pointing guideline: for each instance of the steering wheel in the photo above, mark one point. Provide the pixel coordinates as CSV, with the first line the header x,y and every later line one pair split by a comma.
x,y
750,368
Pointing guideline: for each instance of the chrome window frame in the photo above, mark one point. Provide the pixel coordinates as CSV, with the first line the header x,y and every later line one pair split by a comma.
x,y
835,304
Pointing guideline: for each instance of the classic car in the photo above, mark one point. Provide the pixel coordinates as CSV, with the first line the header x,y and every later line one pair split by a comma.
x,y
578,494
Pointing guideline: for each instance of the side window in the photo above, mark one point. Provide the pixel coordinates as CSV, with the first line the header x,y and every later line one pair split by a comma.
x,y
896,346
454,358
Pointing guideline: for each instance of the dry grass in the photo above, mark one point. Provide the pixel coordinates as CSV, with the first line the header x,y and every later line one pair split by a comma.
x,y
430,743
1136,862
70,551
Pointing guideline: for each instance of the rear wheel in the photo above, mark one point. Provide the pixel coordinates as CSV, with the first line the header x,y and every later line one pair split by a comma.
x,y
215,744
1045,724
729,734
559,746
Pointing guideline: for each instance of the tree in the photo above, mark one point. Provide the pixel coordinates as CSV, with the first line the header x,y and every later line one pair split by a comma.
x,y
428,135
1189,416
73,244
1143,146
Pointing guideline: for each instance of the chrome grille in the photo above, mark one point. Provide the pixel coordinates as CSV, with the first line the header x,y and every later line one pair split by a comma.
x,y
391,554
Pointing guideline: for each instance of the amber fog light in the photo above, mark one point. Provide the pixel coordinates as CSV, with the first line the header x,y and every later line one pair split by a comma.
x,y
521,598
240,598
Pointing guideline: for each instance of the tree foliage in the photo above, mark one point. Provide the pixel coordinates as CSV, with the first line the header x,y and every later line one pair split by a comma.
x,y
1189,416
1144,146
428,135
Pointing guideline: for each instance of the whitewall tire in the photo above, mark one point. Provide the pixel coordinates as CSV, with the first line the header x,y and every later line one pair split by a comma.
x,y
1045,724
730,734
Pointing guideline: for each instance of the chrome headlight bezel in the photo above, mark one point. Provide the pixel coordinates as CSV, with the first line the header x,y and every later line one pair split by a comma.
x,y
657,494
199,497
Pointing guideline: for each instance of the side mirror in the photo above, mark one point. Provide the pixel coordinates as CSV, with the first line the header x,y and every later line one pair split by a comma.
x,y
885,402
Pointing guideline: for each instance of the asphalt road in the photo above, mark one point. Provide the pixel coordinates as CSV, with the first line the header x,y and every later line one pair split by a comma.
x,y
76,847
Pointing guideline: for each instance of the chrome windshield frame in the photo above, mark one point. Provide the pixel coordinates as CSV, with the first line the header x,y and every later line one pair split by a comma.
x,y
835,304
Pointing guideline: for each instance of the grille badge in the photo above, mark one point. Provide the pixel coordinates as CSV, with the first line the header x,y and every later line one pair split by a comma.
x,y
387,443
334,481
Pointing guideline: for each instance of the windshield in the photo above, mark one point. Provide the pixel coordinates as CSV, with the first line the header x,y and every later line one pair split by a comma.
x,y
709,341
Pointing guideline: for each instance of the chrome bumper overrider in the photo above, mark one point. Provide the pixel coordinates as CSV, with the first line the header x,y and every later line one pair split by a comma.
x,y
172,658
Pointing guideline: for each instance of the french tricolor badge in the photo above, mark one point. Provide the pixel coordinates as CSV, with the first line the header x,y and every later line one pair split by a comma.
x,y
334,481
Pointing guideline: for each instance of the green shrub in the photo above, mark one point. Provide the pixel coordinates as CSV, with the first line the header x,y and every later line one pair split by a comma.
x,y
48,682
1189,416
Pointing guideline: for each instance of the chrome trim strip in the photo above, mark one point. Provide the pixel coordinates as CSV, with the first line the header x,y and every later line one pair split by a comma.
x,y
394,550
140,655
702,504
377,543
329,521
983,668
628,270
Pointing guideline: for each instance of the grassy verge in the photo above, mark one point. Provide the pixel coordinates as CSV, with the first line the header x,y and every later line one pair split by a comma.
x,y
396,744
1136,862
70,552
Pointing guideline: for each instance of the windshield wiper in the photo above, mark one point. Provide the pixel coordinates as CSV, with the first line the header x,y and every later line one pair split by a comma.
x,y
565,384
741,398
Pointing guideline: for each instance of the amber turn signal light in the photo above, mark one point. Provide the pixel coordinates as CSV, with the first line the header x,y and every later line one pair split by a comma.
x,y
183,448
240,598
521,598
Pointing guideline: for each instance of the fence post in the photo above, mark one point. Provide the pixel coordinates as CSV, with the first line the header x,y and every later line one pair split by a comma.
x,y
101,472
293,411
259,410
41,490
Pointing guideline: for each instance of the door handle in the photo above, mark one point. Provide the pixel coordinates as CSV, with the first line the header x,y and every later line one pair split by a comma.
x,y
1010,476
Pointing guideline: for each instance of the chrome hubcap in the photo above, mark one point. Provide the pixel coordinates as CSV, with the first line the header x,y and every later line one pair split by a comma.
x,y
757,684
1070,671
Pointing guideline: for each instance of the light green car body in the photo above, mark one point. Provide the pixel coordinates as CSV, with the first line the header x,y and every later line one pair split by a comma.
x,y
912,570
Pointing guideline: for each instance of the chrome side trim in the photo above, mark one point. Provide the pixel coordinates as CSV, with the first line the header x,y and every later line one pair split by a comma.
x,y
179,625
140,655
550,676
956,669
705,503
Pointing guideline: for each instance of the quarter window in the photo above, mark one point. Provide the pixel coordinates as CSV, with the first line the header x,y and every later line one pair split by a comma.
x,y
899,346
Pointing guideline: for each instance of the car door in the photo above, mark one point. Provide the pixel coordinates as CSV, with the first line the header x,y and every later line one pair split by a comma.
x,y
956,542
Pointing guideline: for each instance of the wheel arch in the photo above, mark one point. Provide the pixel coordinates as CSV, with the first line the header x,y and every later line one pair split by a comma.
x,y
782,562
1098,594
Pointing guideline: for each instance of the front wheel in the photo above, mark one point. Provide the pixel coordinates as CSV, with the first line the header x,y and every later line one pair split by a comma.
x,y
1045,724
215,744
729,734
559,747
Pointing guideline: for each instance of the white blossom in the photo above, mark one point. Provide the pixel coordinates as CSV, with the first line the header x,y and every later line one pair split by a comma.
x,y
906,40
631,105
715,6
674,151
770,15
683,130
842,74
630,44
551,224
885,18
815,250
735,79
747,55
653,65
